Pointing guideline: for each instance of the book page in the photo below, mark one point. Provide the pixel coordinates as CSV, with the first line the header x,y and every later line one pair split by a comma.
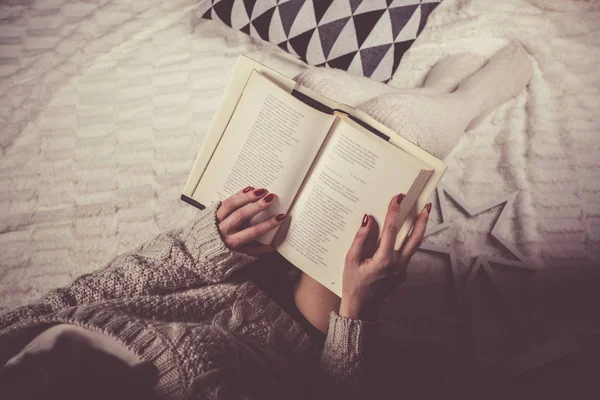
x,y
244,67
356,173
270,142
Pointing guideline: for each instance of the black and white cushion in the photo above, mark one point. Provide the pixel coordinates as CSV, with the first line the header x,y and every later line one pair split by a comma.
x,y
363,37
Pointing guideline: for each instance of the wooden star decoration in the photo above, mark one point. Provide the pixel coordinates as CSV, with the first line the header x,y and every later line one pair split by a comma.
x,y
482,262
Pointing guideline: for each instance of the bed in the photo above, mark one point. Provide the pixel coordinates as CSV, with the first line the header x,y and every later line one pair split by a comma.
x,y
105,103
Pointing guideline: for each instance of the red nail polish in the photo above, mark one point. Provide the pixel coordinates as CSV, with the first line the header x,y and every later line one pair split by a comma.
x,y
365,220
280,217
260,192
428,208
399,198
248,188
268,198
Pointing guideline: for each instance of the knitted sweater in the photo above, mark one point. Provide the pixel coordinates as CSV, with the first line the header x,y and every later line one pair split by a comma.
x,y
176,302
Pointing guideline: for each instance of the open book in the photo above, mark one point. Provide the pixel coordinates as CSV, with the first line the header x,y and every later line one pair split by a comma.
x,y
328,163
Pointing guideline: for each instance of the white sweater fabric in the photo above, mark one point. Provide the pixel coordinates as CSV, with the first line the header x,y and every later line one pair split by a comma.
x,y
457,95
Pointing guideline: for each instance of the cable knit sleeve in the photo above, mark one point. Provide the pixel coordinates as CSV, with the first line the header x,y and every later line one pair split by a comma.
x,y
210,257
347,358
188,257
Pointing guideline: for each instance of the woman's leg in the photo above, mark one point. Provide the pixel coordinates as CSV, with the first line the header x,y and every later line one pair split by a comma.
x,y
311,299
449,72
315,301
503,77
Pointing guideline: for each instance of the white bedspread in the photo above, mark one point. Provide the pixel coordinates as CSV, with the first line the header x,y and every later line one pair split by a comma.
x,y
104,105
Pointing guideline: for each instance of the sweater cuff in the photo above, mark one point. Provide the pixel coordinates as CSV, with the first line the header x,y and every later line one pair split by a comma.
x,y
346,359
203,241
350,334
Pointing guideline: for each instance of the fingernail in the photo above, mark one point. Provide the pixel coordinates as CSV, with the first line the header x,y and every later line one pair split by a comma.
x,y
280,217
268,198
399,198
260,192
248,188
428,206
365,220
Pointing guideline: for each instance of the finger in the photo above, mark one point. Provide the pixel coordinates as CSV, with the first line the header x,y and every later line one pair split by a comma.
x,y
415,238
370,245
236,220
358,248
385,252
240,199
251,233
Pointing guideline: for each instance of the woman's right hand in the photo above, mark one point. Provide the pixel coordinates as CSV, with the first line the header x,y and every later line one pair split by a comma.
x,y
371,272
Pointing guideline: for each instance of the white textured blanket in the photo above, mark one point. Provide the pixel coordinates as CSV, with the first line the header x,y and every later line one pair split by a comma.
x,y
104,104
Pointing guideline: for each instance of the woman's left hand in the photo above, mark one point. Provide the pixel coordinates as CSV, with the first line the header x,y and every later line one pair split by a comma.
x,y
372,271
234,214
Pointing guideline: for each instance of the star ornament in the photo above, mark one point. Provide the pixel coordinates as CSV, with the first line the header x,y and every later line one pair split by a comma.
x,y
483,262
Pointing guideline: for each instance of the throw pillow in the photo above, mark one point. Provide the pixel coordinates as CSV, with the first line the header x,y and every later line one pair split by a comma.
x,y
363,37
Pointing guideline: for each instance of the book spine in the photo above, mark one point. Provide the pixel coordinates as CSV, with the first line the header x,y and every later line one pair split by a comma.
x,y
328,110
312,102
192,202
370,128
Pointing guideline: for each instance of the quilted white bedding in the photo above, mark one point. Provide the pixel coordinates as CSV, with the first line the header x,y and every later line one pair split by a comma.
x,y
104,105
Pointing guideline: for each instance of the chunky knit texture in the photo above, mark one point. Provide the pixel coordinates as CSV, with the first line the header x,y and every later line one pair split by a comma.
x,y
177,303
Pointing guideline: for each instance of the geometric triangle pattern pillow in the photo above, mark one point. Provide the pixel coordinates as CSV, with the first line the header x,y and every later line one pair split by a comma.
x,y
365,38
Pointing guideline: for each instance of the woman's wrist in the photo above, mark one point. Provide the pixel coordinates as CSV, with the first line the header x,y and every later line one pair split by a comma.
x,y
358,310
